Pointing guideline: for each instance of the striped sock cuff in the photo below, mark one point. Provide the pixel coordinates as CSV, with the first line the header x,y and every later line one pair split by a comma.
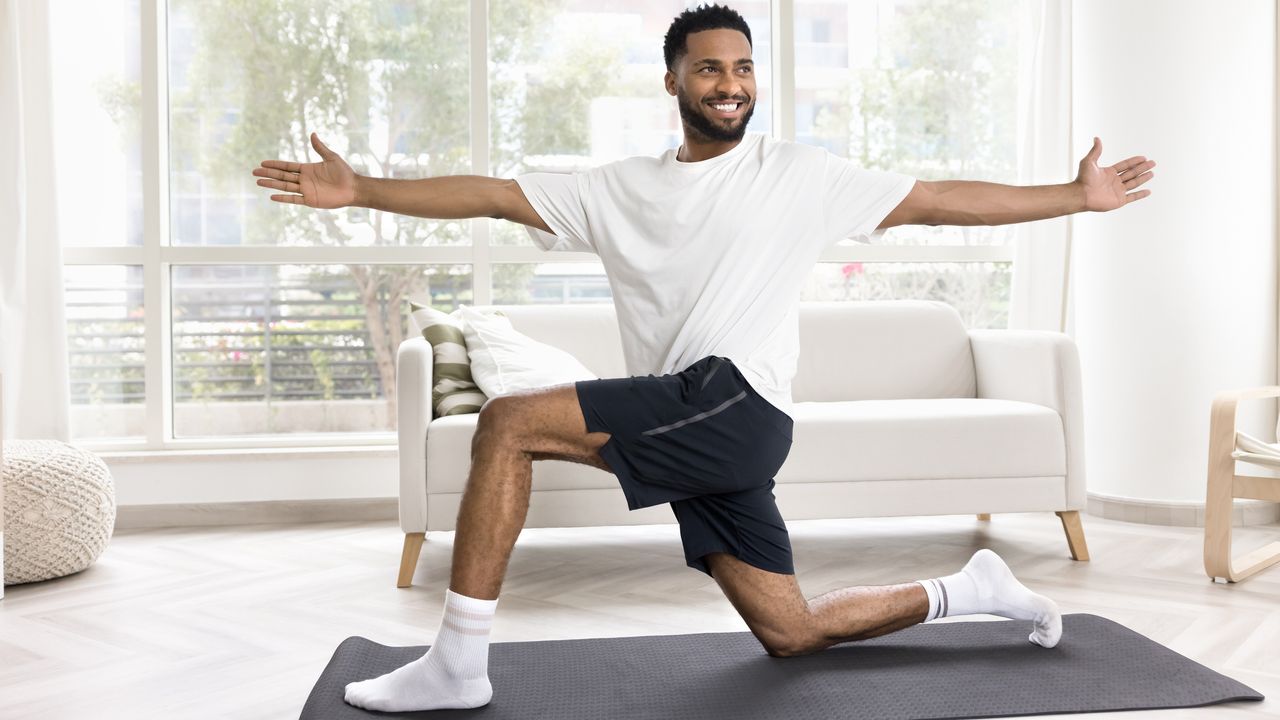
x,y
462,644
468,615
937,593
469,604
944,604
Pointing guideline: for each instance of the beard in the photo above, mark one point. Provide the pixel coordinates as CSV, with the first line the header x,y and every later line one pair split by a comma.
x,y
714,129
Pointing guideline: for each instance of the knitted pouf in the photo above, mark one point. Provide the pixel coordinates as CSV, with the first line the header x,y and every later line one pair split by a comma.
x,y
59,509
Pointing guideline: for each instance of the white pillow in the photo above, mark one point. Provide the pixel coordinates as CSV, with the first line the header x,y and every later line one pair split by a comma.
x,y
504,361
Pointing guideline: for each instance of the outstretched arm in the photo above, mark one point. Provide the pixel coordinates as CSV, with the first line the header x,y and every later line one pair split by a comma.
x,y
965,202
331,183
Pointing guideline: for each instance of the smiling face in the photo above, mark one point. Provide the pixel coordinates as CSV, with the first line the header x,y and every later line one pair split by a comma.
x,y
716,70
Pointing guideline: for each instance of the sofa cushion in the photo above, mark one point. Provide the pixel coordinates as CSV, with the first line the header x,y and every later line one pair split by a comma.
x,y
588,331
923,438
863,440
504,360
453,390
882,350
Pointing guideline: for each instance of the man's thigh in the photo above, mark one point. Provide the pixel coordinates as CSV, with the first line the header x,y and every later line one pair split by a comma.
x,y
771,603
545,422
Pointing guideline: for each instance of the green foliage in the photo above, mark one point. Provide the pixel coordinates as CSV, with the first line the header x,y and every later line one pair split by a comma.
x,y
940,101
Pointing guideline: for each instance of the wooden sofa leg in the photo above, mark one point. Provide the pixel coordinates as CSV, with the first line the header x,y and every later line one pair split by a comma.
x,y
409,558
984,517
1075,534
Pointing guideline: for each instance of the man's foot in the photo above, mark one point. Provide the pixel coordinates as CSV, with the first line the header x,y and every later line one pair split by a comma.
x,y
987,585
423,684
454,673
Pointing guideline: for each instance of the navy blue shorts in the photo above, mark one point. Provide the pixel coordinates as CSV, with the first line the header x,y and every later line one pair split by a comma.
x,y
705,441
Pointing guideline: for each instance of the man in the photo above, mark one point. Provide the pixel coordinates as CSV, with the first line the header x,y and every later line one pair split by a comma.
x,y
706,248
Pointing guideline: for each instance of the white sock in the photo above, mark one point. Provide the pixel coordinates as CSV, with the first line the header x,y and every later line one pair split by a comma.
x,y
454,673
986,585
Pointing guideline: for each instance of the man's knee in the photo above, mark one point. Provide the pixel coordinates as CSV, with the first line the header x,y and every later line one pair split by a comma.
x,y
789,647
772,606
545,424
789,641
507,423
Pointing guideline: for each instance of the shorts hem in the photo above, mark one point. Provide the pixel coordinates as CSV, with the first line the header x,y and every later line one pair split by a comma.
x,y
695,561
606,451
618,465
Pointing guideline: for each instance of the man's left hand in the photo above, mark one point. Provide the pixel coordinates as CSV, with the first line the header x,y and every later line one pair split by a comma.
x,y
1107,188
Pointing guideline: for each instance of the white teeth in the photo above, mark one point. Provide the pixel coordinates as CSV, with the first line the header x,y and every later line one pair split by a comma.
x,y
726,108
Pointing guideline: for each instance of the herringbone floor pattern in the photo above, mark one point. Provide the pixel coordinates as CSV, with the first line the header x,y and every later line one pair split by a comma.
x,y
237,622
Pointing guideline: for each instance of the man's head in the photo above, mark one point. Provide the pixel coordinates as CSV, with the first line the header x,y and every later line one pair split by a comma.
x,y
708,55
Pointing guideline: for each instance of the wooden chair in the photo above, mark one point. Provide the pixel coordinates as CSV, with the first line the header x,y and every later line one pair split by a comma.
x,y
1226,446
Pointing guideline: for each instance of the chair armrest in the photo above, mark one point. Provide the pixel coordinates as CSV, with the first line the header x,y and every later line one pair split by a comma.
x,y
1222,420
413,414
1040,367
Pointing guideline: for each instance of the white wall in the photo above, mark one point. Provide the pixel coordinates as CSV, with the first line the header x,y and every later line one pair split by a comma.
x,y
1174,297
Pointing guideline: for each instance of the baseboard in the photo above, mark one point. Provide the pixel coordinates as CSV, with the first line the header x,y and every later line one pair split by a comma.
x,y
1247,512
130,517
1184,514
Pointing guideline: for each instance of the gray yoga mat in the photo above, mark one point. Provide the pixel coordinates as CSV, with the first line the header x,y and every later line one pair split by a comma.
x,y
938,670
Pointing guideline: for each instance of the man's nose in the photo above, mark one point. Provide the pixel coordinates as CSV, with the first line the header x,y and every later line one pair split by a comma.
x,y
730,86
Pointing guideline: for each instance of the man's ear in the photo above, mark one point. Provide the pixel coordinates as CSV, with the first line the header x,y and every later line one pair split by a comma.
x,y
670,81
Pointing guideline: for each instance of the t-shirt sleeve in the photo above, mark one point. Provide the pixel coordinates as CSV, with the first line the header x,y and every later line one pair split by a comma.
x,y
559,198
858,199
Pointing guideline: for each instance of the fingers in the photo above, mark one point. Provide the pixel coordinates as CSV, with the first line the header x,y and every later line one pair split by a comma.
x,y
280,185
297,199
1095,152
1136,196
277,174
1136,180
281,165
1133,164
321,148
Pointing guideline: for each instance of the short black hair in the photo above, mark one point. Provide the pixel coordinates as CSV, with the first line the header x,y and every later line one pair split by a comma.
x,y
704,17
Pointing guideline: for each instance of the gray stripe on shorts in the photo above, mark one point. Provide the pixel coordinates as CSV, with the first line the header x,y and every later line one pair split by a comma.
x,y
700,416
707,379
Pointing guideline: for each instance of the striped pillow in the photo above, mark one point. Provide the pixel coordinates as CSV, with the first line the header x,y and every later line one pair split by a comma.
x,y
453,391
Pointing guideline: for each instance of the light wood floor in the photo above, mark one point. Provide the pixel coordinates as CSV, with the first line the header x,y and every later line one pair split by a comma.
x,y
237,622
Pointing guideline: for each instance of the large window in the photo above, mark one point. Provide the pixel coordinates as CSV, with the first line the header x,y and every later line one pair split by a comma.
x,y
268,324
923,87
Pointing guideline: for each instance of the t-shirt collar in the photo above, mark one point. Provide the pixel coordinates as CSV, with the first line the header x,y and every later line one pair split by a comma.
x,y
736,150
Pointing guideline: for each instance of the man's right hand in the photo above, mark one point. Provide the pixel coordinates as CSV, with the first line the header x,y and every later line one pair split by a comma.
x,y
327,184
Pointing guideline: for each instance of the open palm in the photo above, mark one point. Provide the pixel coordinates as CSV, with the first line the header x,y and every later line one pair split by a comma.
x,y
1107,188
327,184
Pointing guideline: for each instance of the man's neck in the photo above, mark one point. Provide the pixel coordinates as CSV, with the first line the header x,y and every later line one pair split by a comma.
x,y
698,150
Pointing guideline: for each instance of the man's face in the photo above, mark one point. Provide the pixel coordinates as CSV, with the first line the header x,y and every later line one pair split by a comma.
x,y
716,70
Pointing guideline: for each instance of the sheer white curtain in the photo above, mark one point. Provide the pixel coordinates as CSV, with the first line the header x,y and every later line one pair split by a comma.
x,y
1044,157
33,352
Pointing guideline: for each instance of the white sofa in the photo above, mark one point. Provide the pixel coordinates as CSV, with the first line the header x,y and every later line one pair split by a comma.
x,y
899,410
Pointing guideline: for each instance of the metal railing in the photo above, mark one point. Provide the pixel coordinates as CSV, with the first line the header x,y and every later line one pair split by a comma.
x,y
251,341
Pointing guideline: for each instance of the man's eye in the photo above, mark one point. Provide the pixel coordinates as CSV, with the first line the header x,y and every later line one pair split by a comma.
x,y
708,68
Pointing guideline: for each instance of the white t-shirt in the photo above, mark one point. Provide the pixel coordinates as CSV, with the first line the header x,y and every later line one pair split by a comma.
x,y
708,258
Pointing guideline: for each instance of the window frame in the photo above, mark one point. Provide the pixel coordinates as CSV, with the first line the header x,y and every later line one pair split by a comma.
x,y
157,256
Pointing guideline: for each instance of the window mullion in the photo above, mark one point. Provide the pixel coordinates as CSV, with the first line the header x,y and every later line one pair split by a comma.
x,y
782,56
481,269
155,163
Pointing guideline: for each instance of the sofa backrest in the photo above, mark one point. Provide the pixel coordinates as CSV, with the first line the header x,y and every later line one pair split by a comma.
x,y
882,350
588,331
865,350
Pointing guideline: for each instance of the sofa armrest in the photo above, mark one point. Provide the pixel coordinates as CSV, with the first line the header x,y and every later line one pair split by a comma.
x,y
413,414
1040,367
